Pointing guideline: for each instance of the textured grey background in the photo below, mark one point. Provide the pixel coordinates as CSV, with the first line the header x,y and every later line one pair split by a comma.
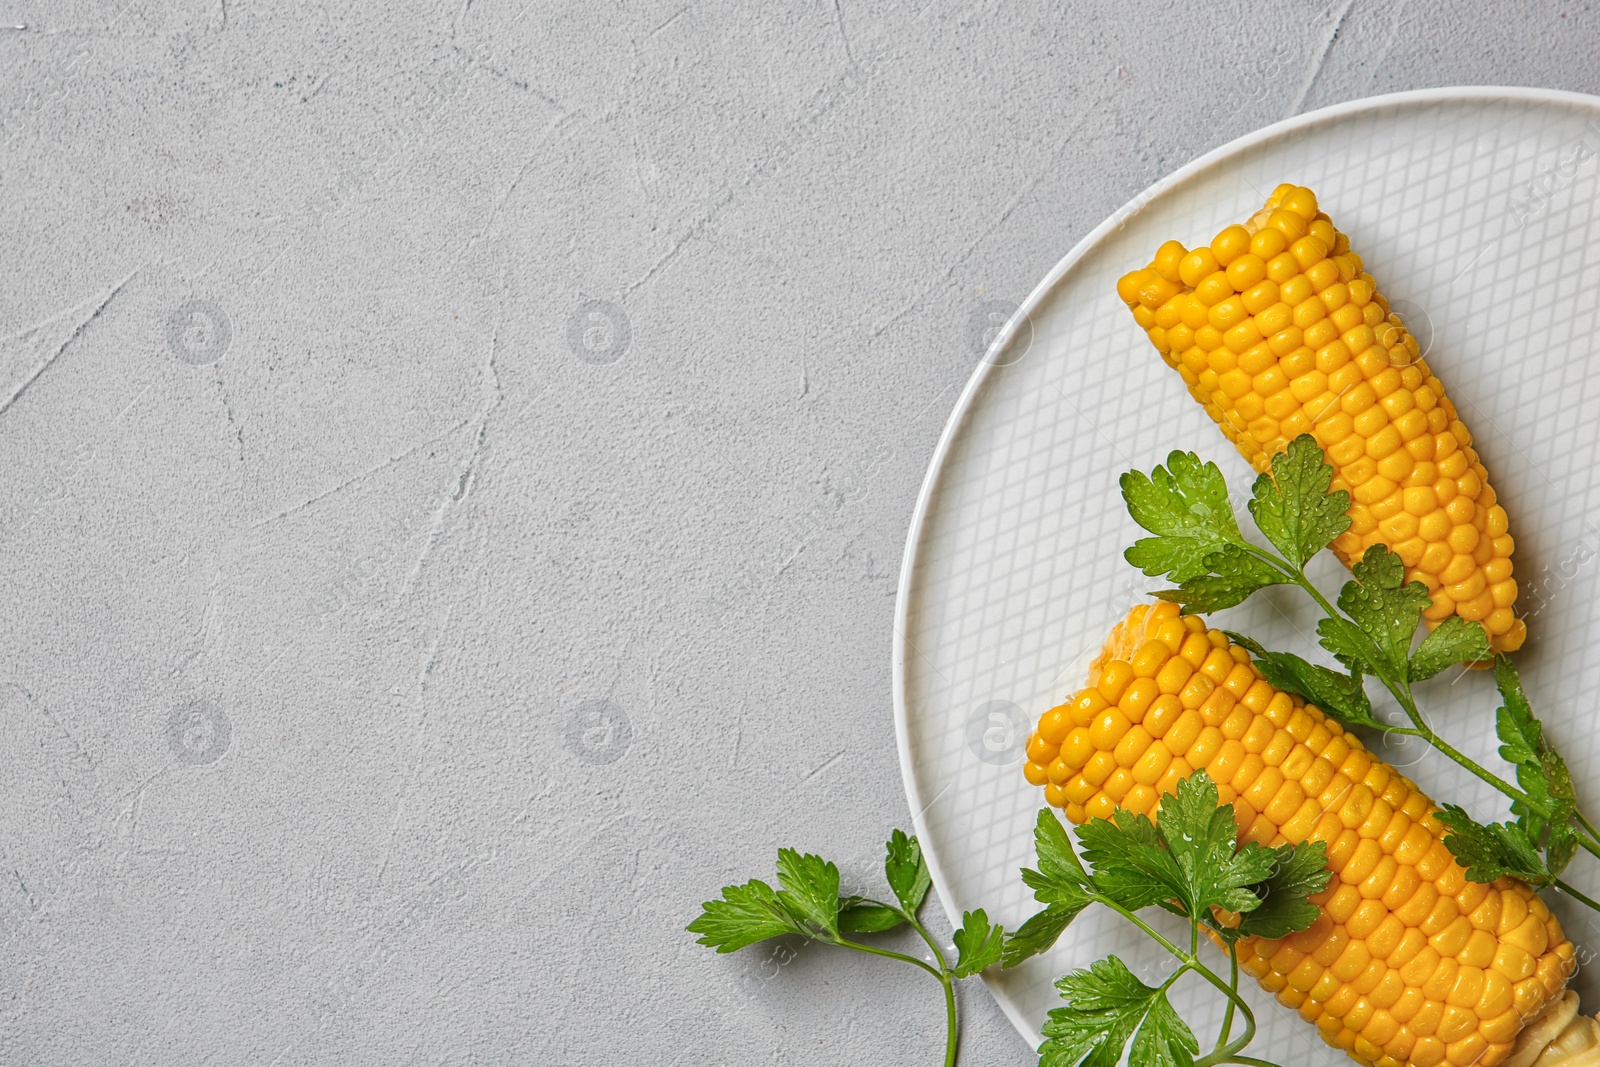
x,y
457,457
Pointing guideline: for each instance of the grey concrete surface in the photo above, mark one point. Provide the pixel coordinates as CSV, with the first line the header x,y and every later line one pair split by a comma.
x,y
457,458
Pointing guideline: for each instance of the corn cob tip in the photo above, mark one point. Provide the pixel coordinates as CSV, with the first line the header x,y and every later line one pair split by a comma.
x,y
1560,1037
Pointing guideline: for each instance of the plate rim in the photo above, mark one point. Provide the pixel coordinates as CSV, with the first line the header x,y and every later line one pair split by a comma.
x,y
1471,94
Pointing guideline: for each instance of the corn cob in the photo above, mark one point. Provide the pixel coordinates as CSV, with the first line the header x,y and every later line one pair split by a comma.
x,y
1278,331
1409,963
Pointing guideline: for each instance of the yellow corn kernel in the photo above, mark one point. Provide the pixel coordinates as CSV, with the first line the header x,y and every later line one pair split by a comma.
x,y
1455,1023
1132,746
1108,728
1137,698
1531,936
1149,659
1162,713
1479,949
1230,244
1152,764
1041,751
1078,790
1503,1027
1205,747
1099,767
1467,1051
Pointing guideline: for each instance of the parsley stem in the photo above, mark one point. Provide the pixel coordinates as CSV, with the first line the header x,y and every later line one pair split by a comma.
x,y
1191,962
1594,835
1228,1052
1464,760
922,932
1174,976
1250,1061
1147,928
1573,893
1293,573
1233,980
1402,693
887,954
952,1028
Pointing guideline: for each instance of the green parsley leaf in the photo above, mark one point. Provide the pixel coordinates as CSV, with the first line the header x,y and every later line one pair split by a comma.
x,y
1340,695
1185,504
906,871
1453,641
1164,1039
746,914
1543,813
1521,735
978,944
1040,932
860,916
1104,1006
1293,506
1048,890
810,888
1541,772
1385,606
1494,850
1201,834
1544,807
1249,644
1300,871
1350,645
1060,882
1232,574
1559,847
1556,775
1058,861
1522,740
1130,865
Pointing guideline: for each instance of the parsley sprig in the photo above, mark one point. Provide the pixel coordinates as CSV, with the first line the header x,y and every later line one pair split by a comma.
x,y
1371,630
808,904
1188,862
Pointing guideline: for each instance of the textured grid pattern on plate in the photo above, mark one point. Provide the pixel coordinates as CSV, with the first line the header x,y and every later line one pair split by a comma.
x,y
1020,571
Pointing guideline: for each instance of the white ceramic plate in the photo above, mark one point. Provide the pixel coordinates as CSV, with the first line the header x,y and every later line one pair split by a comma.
x,y
1478,208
